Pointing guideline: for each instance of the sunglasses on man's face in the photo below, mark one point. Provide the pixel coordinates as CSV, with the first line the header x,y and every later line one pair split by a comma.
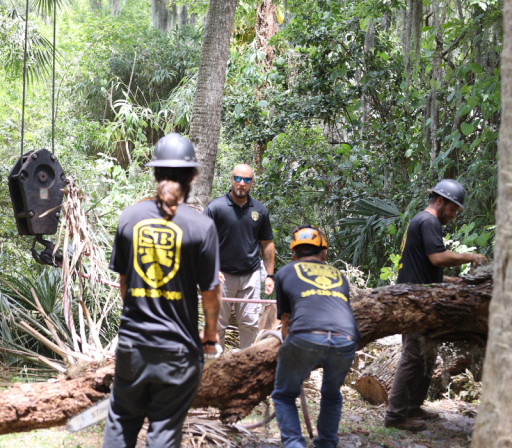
x,y
247,180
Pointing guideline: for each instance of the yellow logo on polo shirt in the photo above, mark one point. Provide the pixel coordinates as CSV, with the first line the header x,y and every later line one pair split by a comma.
x,y
157,250
255,216
321,276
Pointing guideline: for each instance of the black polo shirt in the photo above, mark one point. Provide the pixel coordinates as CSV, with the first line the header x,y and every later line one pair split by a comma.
x,y
317,297
422,237
240,231
164,261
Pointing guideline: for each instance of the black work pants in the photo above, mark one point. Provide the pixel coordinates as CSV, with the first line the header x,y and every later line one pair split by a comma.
x,y
412,378
154,383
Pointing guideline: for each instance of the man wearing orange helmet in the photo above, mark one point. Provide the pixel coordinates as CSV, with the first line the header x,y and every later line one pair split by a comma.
x,y
319,329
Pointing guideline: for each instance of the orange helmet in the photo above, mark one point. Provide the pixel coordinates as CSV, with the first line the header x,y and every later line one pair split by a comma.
x,y
308,235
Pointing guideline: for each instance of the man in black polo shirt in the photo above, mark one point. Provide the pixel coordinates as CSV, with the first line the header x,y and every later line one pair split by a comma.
x,y
319,330
423,258
244,230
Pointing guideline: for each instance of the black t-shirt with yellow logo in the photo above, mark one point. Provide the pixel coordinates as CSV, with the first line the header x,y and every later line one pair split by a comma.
x,y
240,231
164,261
317,297
422,237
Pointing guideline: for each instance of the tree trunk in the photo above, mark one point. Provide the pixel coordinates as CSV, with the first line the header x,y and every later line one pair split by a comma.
x,y
160,15
95,5
266,28
207,109
493,426
115,7
238,381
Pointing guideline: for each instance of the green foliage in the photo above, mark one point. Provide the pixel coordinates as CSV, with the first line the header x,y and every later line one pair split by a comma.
x,y
392,132
12,35
355,124
18,304
390,273
372,217
303,175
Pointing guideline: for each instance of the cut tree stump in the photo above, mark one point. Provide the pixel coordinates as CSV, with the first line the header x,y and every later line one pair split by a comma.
x,y
239,381
375,381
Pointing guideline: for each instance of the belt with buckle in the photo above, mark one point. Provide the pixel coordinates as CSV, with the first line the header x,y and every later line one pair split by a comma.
x,y
333,333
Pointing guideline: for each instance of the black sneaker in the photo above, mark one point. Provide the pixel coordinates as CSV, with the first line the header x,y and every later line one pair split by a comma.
x,y
423,414
406,425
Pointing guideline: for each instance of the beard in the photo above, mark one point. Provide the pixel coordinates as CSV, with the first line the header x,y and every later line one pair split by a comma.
x,y
441,215
240,194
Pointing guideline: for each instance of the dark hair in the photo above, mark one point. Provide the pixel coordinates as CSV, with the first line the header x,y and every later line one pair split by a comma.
x,y
433,198
173,184
307,250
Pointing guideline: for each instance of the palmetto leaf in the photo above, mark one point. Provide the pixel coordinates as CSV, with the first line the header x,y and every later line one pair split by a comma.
x,y
46,287
46,6
373,206
39,48
370,216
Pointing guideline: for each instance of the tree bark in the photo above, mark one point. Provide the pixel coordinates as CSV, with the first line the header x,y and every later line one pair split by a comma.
x,y
266,28
493,428
95,5
207,109
237,382
115,7
160,15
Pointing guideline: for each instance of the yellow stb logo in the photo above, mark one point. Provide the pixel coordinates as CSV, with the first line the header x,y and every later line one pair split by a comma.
x,y
255,216
321,276
157,250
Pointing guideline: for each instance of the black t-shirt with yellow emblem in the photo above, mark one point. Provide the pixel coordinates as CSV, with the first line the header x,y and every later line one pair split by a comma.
x,y
240,231
164,261
317,297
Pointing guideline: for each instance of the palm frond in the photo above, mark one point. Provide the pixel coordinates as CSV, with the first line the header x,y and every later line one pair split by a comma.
x,y
46,6
370,217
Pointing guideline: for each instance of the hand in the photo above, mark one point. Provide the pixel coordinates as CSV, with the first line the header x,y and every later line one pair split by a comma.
x,y
209,343
478,259
448,279
269,285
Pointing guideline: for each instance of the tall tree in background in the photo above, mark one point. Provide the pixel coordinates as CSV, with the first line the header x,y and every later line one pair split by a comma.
x,y
266,28
207,110
160,15
115,7
493,426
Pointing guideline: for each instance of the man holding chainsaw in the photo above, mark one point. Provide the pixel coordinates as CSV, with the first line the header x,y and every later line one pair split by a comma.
x,y
319,330
163,250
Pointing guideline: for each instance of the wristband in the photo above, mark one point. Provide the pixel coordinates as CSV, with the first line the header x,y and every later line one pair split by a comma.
x,y
209,343
270,276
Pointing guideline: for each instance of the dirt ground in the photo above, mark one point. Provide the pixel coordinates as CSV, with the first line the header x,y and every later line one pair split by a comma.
x,y
361,426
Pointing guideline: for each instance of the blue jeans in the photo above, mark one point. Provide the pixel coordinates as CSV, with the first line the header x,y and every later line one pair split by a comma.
x,y
298,356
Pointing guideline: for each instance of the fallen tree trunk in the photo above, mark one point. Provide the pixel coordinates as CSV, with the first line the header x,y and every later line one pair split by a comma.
x,y
238,381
